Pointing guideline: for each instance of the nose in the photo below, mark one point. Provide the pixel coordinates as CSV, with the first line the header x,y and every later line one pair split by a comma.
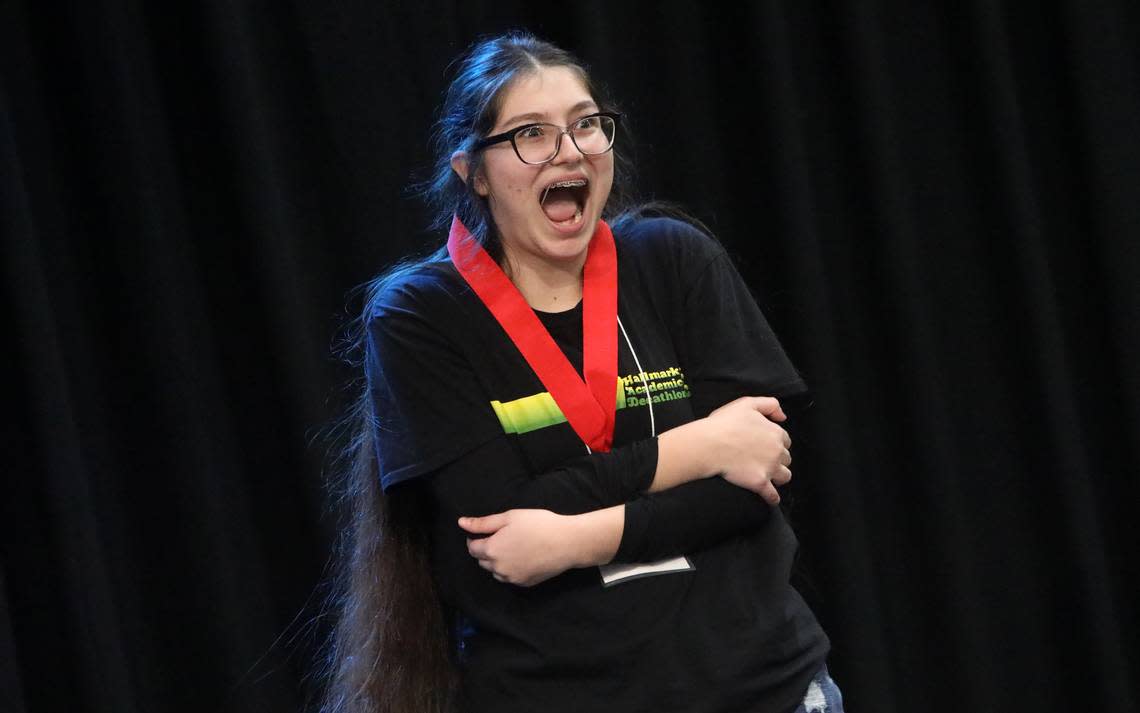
x,y
564,154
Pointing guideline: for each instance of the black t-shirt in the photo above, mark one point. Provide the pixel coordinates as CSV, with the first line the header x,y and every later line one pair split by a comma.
x,y
456,402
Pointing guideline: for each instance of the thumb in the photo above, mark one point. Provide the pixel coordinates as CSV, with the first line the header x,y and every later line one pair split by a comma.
x,y
484,525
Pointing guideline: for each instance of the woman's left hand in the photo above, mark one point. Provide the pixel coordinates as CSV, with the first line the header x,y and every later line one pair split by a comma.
x,y
522,547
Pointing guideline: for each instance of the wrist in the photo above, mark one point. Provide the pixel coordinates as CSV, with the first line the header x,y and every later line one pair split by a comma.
x,y
592,538
705,446
685,453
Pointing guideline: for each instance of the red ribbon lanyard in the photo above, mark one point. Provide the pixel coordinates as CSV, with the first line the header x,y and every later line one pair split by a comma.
x,y
588,406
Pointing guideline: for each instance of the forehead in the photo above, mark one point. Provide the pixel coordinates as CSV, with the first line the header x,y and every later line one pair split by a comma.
x,y
550,92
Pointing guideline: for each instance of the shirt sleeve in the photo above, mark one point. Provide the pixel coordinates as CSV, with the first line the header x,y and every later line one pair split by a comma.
x,y
493,478
433,416
687,519
426,403
727,350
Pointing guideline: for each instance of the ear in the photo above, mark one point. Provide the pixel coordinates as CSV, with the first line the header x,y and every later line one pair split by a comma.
x,y
461,164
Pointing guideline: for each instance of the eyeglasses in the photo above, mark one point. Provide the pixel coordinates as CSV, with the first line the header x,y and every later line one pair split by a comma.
x,y
540,143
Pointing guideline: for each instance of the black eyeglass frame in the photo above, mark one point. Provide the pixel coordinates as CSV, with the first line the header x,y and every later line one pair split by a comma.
x,y
563,130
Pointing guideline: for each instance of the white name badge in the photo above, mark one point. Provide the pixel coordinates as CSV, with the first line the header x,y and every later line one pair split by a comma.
x,y
617,573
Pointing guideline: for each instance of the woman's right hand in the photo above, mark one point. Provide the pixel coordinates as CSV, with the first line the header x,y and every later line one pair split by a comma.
x,y
747,446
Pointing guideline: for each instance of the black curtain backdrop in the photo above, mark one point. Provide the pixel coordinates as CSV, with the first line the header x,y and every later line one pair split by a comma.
x,y
937,204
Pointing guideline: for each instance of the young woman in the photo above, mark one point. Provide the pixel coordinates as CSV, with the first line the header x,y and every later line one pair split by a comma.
x,y
565,480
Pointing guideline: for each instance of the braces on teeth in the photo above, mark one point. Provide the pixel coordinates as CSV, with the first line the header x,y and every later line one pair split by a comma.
x,y
562,184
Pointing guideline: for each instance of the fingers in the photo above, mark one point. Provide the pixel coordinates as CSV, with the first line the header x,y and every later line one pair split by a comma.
x,y
781,476
769,494
485,564
769,406
499,577
490,567
478,549
784,439
484,525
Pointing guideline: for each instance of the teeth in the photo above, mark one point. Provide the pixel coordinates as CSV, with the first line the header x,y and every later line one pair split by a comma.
x,y
568,184
574,183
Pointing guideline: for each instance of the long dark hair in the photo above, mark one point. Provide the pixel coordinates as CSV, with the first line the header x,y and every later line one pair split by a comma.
x,y
390,651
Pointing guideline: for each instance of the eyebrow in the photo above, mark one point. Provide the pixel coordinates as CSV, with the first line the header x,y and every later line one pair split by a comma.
x,y
537,116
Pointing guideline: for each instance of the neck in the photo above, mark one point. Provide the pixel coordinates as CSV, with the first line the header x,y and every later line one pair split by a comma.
x,y
546,286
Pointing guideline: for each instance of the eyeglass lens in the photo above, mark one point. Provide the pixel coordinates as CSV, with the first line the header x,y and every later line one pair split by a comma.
x,y
539,143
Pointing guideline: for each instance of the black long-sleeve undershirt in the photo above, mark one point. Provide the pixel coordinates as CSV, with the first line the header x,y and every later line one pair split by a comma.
x,y
490,474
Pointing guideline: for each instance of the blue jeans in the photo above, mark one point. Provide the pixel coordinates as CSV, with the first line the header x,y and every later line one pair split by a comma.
x,y
822,695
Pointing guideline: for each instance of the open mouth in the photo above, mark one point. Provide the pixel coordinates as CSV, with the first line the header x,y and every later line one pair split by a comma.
x,y
563,201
